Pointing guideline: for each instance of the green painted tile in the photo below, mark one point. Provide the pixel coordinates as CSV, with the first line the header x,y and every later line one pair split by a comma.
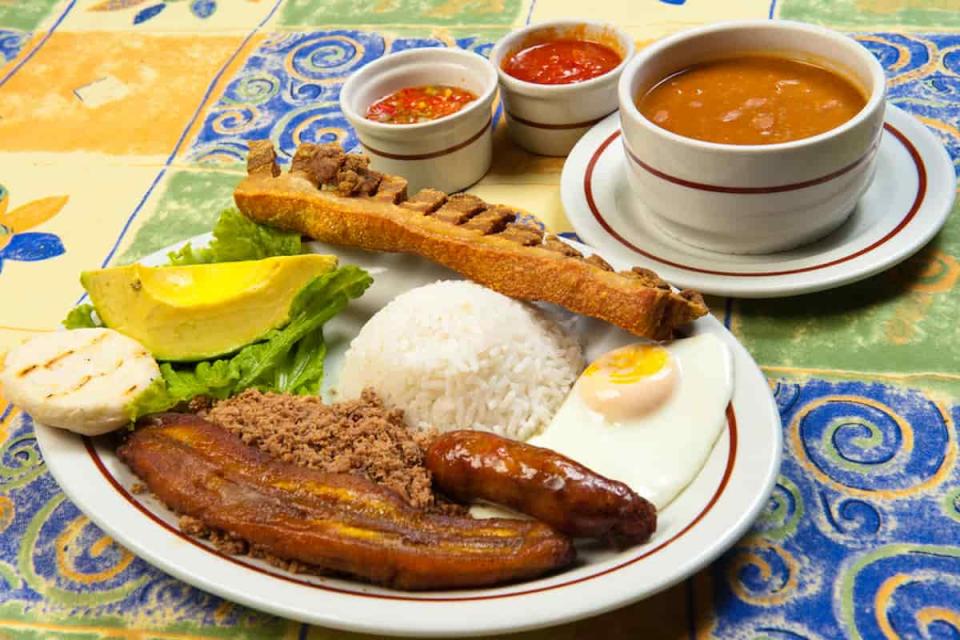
x,y
852,13
25,14
188,205
478,39
299,13
903,321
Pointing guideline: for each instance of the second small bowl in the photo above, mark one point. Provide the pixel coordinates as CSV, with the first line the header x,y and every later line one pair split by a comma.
x,y
548,119
449,153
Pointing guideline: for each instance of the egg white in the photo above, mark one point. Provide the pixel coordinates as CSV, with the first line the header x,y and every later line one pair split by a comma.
x,y
659,454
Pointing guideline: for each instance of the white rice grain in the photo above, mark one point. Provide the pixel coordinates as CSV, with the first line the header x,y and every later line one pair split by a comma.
x,y
456,355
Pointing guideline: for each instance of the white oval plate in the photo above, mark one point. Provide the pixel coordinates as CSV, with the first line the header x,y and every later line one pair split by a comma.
x,y
909,200
709,516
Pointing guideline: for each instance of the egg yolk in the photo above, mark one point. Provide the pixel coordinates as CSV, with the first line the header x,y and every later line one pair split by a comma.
x,y
629,382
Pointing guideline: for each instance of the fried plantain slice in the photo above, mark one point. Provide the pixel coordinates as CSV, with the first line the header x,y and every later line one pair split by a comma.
x,y
337,522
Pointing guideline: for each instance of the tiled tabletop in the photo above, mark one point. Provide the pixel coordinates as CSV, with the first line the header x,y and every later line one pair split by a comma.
x,y
123,124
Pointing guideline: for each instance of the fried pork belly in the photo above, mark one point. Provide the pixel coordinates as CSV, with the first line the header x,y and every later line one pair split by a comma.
x,y
318,163
337,522
262,159
392,189
459,208
357,207
425,201
493,220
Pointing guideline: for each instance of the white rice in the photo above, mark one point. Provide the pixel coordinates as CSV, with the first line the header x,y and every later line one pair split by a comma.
x,y
455,355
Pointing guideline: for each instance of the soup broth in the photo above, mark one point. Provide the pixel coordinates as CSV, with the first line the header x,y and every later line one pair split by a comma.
x,y
752,100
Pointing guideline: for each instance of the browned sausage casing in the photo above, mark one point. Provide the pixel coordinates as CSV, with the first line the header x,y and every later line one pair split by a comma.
x,y
475,465
339,522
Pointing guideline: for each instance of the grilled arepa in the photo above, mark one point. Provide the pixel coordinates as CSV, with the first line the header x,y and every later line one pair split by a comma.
x,y
81,380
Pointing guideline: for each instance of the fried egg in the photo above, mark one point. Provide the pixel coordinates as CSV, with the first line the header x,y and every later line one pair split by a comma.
x,y
647,414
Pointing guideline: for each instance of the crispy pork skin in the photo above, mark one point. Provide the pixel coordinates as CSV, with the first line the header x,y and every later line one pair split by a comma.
x,y
483,242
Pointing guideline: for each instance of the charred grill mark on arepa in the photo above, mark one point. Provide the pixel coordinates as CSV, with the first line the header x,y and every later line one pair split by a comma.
x,y
27,371
54,360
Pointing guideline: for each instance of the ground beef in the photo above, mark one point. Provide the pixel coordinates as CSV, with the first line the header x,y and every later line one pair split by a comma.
x,y
293,566
230,544
223,541
359,436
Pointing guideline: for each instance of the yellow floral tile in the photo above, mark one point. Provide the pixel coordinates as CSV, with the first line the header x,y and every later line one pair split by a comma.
x,y
116,93
169,16
653,19
48,207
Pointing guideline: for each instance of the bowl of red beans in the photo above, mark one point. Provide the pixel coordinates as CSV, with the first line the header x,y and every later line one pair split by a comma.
x,y
558,79
425,114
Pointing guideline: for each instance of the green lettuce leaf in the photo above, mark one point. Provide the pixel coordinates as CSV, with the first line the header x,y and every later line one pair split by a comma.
x,y
81,317
286,360
301,370
154,399
235,238
321,299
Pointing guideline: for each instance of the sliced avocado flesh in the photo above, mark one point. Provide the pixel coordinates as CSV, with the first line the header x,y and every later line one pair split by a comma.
x,y
201,311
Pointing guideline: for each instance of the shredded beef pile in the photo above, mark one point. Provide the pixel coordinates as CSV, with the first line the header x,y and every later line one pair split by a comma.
x,y
359,436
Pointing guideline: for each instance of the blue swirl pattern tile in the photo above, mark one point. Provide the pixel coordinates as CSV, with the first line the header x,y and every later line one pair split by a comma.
x,y
288,91
56,565
11,42
860,536
923,74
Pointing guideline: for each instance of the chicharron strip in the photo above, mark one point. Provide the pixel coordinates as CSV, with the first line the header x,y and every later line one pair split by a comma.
x,y
331,196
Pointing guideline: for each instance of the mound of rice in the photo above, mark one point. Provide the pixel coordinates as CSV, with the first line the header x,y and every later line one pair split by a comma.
x,y
455,355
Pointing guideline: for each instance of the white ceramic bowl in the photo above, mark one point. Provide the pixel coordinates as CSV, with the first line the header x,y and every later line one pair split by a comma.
x,y
751,198
449,153
548,119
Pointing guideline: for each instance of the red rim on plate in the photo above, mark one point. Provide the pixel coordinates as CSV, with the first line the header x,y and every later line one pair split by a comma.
x,y
910,214
130,498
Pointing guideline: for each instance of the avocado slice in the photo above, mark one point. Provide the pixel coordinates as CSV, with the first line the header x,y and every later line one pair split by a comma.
x,y
201,311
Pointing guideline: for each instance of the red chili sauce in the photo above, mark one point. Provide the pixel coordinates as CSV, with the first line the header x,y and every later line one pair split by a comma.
x,y
419,104
563,61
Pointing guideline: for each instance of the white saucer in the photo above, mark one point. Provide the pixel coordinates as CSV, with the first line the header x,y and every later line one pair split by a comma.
x,y
907,203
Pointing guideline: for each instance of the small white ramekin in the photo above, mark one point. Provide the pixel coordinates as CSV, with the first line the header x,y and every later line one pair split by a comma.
x,y
548,119
751,198
449,153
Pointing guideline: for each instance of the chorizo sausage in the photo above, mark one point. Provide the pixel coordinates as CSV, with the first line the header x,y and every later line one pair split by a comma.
x,y
476,465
